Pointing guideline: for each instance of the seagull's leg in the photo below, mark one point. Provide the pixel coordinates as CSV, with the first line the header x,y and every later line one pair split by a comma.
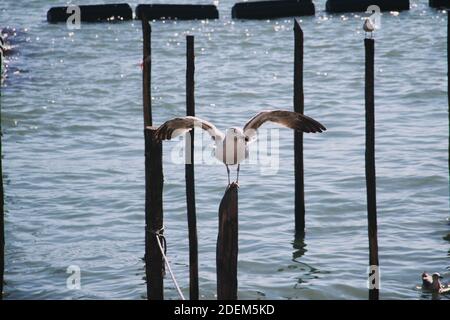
x,y
238,167
228,171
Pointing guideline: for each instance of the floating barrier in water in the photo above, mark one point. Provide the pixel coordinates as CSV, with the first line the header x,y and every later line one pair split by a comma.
x,y
335,6
176,11
439,4
92,13
272,9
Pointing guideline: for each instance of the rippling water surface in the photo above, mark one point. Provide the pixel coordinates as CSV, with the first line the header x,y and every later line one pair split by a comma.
x,y
74,158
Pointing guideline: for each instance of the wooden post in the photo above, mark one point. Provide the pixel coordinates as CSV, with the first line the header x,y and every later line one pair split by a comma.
x,y
154,263
146,72
370,171
448,87
298,135
189,168
2,214
227,245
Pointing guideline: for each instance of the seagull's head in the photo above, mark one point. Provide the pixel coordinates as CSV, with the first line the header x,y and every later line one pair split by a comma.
x,y
436,276
236,133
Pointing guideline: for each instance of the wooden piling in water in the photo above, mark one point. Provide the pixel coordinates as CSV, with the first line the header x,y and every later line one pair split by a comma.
x,y
298,136
370,170
189,168
154,180
146,72
2,213
448,86
154,264
227,245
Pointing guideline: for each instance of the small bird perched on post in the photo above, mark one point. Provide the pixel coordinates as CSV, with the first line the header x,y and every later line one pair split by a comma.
x,y
232,148
369,27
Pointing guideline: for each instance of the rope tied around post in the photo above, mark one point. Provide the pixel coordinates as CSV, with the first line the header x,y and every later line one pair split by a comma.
x,y
160,235
162,244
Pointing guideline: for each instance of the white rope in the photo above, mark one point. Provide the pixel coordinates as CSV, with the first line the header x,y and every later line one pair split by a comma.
x,y
170,269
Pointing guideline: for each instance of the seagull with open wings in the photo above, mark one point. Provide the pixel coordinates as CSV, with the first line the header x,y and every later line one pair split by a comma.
x,y
232,148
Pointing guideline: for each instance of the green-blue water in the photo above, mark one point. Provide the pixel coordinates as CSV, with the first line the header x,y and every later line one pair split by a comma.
x,y
74,158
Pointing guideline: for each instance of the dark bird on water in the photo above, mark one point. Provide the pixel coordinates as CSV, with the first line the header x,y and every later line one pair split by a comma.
x,y
232,148
433,283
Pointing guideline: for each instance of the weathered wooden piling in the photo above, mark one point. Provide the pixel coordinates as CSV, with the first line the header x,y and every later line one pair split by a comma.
x,y
448,86
146,72
189,168
2,213
154,263
227,245
370,170
298,135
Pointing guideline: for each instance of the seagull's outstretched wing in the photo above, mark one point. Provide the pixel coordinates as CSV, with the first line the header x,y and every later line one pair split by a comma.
x,y
178,126
293,120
